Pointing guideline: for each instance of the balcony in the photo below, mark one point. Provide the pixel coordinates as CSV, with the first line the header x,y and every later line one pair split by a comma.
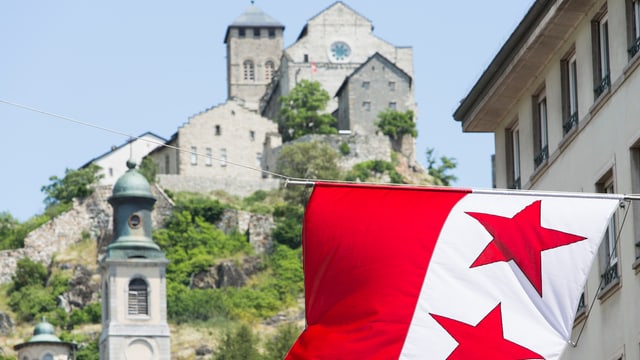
x,y
570,123
633,49
605,84
609,276
542,156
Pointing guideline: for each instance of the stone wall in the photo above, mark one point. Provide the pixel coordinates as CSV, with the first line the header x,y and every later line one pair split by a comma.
x,y
240,186
91,215
257,227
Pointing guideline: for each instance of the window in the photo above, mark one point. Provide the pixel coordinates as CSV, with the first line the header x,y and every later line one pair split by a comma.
x,y
111,172
138,297
272,33
207,159
365,85
608,250
242,32
540,137
513,157
306,58
269,69
256,32
223,157
635,205
259,159
249,70
252,135
392,86
47,356
218,130
633,26
392,105
366,105
569,73
194,155
167,162
600,43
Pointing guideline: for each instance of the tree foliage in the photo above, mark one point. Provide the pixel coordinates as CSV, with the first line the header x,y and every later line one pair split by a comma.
x,y
240,344
277,346
149,169
396,124
441,172
313,160
371,169
33,292
74,184
288,225
301,111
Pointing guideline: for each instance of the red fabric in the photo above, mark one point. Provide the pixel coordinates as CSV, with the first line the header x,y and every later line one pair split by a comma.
x,y
366,252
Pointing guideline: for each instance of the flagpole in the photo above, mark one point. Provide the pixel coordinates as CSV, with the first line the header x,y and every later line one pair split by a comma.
x,y
626,197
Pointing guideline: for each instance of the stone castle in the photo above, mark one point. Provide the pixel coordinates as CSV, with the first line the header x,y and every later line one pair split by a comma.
x,y
363,74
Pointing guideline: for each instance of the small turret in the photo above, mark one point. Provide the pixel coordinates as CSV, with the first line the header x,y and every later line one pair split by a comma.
x,y
132,204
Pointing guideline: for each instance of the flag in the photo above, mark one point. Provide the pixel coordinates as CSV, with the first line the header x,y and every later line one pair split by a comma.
x,y
437,273
314,68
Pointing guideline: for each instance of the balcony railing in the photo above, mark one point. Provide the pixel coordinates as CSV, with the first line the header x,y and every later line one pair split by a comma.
x,y
542,156
633,49
609,275
570,123
605,83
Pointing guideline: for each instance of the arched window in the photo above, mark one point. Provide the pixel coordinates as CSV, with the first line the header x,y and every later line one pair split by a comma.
x,y
138,297
47,357
269,69
249,70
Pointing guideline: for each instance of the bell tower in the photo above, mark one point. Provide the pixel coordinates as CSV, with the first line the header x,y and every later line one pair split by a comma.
x,y
254,47
134,306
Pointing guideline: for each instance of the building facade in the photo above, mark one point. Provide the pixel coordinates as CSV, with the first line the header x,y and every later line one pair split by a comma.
x,y
213,139
134,296
254,47
336,44
112,163
561,99
332,44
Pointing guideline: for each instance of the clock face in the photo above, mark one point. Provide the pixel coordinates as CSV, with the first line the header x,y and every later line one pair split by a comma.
x,y
340,51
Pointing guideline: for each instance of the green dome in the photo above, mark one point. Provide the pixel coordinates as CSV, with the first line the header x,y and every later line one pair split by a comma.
x,y
44,332
132,184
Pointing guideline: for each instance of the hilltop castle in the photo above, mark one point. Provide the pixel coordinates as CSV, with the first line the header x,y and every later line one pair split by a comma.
x,y
363,73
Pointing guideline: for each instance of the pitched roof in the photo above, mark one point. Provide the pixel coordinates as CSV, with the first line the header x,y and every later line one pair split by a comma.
x,y
114,148
381,58
253,17
303,33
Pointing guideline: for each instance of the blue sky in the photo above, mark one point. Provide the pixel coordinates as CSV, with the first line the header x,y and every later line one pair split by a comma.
x,y
137,66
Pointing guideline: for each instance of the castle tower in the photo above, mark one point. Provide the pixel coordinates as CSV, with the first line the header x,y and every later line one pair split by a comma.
x,y
254,47
134,308
45,345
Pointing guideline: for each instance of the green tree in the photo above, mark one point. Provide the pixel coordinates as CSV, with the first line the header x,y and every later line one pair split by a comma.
x,y
288,225
28,272
239,345
75,183
149,169
301,111
277,346
313,160
440,172
396,124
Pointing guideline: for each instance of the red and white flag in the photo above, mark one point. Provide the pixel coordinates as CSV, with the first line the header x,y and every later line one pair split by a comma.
x,y
434,273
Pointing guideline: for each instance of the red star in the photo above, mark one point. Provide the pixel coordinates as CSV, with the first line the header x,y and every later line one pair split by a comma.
x,y
483,341
521,239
